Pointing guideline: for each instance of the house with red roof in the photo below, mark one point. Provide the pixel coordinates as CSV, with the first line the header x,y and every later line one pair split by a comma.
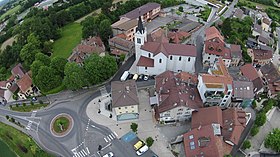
x,y
156,57
259,56
214,134
215,88
215,47
86,48
177,96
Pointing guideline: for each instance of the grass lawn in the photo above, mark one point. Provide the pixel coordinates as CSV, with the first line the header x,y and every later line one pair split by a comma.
x,y
20,143
205,13
28,108
55,90
63,122
261,5
10,12
71,37
5,151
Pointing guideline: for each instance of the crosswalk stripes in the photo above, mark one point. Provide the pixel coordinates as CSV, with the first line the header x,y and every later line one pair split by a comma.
x,y
110,137
82,153
33,114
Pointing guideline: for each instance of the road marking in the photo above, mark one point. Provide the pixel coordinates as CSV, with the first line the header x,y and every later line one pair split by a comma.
x,y
106,146
110,137
116,134
113,135
87,150
105,139
83,153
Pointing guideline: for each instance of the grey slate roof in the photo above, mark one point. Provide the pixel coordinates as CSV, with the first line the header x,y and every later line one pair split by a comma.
x,y
124,93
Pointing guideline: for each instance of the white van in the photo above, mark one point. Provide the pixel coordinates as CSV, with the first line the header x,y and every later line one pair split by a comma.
x,y
142,150
124,76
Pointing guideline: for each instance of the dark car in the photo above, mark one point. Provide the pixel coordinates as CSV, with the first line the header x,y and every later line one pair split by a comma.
x,y
130,76
141,77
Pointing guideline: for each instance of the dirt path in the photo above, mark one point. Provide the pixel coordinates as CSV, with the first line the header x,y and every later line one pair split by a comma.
x,y
98,11
7,42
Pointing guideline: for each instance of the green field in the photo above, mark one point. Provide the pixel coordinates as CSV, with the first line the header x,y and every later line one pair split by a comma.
x,y
71,36
5,150
20,143
10,12
28,108
261,5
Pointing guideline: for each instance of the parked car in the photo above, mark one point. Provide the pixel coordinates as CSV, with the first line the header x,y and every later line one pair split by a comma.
x,y
135,77
130,76
141,77
110,154
146,77
34,99
124,76
138,145
142,150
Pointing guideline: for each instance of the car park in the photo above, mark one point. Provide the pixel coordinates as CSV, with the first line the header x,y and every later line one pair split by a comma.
x,y
142,150
110,154
130,76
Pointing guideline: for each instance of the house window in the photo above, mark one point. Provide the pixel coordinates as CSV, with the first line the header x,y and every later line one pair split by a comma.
x,y
132,106
180,58
160,60
138,40
125,107
119,108
224,100
189,59
228,93
132,110
146,68
208,57
126,111
149,55
180,109
170,57
120,112
179,113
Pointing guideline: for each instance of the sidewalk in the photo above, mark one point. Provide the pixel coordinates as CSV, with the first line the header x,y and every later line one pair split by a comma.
x,y
146,124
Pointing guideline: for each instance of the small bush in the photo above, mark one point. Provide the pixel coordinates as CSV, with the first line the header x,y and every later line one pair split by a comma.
x,y
17,105
181,9
149,141
246,144
40,102
23,104
255,130
134,127
254,104
260,119
31,103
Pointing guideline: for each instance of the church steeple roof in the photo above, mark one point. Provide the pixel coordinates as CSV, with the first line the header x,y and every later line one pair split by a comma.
x,y
140,26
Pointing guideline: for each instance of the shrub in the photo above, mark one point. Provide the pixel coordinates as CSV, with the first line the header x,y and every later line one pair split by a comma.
x,y
254,104
254,131
149,141
246,144
260,119
181,9
40,102
23,104
134,127
17,105
7,117
31,103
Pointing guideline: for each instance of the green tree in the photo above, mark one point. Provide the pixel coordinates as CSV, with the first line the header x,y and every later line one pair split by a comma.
x,y
47,79
29,50
134,127
228,155
90,27
74,76
105,30
58,64
7,117
273,140
246,144
260,119
255,130
35,66
254,104
149,141
181,9
43,58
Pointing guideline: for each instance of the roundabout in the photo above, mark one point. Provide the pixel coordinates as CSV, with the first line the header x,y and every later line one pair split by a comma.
x,y
61,125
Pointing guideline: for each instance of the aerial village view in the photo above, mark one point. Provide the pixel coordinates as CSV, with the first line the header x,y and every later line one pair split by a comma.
x,y
129,78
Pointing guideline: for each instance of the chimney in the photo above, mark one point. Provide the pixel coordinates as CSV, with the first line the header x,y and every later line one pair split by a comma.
x,y
199,127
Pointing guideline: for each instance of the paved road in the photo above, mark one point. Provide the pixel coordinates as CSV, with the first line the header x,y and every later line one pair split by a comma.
x,y
85,135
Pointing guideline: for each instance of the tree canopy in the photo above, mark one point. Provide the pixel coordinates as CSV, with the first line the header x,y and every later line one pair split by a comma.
x,y
74,76
273,140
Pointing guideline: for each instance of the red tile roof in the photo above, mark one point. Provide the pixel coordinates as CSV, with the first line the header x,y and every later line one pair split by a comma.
x,y
24,83
217,47
201,117
174,92
178,36
212,32
118,52
262,54
145,62
170,49
3,84
18,70
249,71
